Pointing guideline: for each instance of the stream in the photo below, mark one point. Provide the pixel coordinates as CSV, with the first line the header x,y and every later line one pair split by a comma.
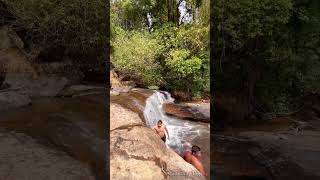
x,y
183,133
76,125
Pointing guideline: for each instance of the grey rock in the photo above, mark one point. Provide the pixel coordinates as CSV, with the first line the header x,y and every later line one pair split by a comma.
x,y
11,99
42,86
82,90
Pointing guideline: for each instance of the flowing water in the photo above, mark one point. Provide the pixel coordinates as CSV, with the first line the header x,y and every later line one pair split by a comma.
x,y
183,133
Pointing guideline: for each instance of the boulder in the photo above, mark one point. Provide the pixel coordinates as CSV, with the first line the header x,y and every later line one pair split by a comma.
x,y
42,86
73,125
21,72
64,68
9,39
23,158
287,155
283,156
118,85
187,111
11,99
136,152
230,158
82,90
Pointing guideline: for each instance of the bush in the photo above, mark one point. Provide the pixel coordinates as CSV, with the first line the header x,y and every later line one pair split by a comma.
x,y
77,25
135,53
177,59
185,58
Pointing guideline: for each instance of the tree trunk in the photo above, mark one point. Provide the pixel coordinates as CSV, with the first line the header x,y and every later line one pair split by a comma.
x,y
2,73
252,78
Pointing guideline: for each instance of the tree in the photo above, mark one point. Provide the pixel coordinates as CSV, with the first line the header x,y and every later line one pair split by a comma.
x,y
262,43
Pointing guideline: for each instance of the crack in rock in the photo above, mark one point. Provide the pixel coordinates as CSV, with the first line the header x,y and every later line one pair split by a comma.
x,y
127,127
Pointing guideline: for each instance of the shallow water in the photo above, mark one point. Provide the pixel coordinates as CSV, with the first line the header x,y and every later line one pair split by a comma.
x,y
74,125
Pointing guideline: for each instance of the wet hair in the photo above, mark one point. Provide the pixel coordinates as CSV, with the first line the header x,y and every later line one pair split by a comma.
x,y
159,122
195,149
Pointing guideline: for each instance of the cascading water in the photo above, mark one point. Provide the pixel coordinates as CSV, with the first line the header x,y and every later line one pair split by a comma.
x,y
182,133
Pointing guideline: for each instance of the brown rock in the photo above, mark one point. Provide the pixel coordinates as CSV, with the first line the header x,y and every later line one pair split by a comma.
x,y
118,84
186,111
23,158
136,152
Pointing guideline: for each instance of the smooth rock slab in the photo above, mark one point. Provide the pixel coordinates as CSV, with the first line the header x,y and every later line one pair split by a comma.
x,y
11,99
22,158
42,86
137,152
187,111
81,90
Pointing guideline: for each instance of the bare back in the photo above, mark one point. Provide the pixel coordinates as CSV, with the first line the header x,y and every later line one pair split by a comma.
x,y
194,161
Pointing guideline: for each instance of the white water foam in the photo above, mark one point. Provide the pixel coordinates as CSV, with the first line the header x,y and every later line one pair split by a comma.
x,y
181,132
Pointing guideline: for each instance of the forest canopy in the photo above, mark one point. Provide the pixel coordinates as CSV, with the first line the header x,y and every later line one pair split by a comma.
x,y
267,50
153,41
77,26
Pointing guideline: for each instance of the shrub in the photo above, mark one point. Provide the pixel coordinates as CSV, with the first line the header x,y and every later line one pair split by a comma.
x,y
77,25
135,53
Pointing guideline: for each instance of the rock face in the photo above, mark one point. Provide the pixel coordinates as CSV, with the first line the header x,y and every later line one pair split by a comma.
x,y
287,155
268,155
12,99
9,39
187,111
21,73
64,68
118,85
231,159
136,152
42,86
22,158
74,125
81,90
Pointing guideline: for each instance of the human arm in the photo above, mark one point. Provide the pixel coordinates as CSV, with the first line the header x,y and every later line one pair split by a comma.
x,y
198,165
165,128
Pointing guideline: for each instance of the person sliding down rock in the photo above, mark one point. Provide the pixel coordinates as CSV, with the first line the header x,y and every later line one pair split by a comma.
x,y
193,158
160,130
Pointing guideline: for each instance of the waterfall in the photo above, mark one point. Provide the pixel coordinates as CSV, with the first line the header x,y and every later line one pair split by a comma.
x,y
182,132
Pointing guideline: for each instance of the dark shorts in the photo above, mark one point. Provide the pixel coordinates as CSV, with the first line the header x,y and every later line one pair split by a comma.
x,y
163,138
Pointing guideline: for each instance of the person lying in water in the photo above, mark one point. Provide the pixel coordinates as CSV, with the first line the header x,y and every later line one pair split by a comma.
x,y
160,129
193,158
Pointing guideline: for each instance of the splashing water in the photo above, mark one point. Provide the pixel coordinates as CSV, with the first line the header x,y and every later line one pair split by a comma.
x,y
181,132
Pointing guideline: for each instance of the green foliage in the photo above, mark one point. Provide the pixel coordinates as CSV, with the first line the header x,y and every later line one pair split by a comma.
x,y
75,24
131,14
279,38
174,57
135,53
186,60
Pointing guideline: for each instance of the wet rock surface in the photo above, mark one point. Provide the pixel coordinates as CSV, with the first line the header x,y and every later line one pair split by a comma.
x,y
231,160
81,90
287,155
188,111
289,150
136,152
11,100
22,158
75,126
42,86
